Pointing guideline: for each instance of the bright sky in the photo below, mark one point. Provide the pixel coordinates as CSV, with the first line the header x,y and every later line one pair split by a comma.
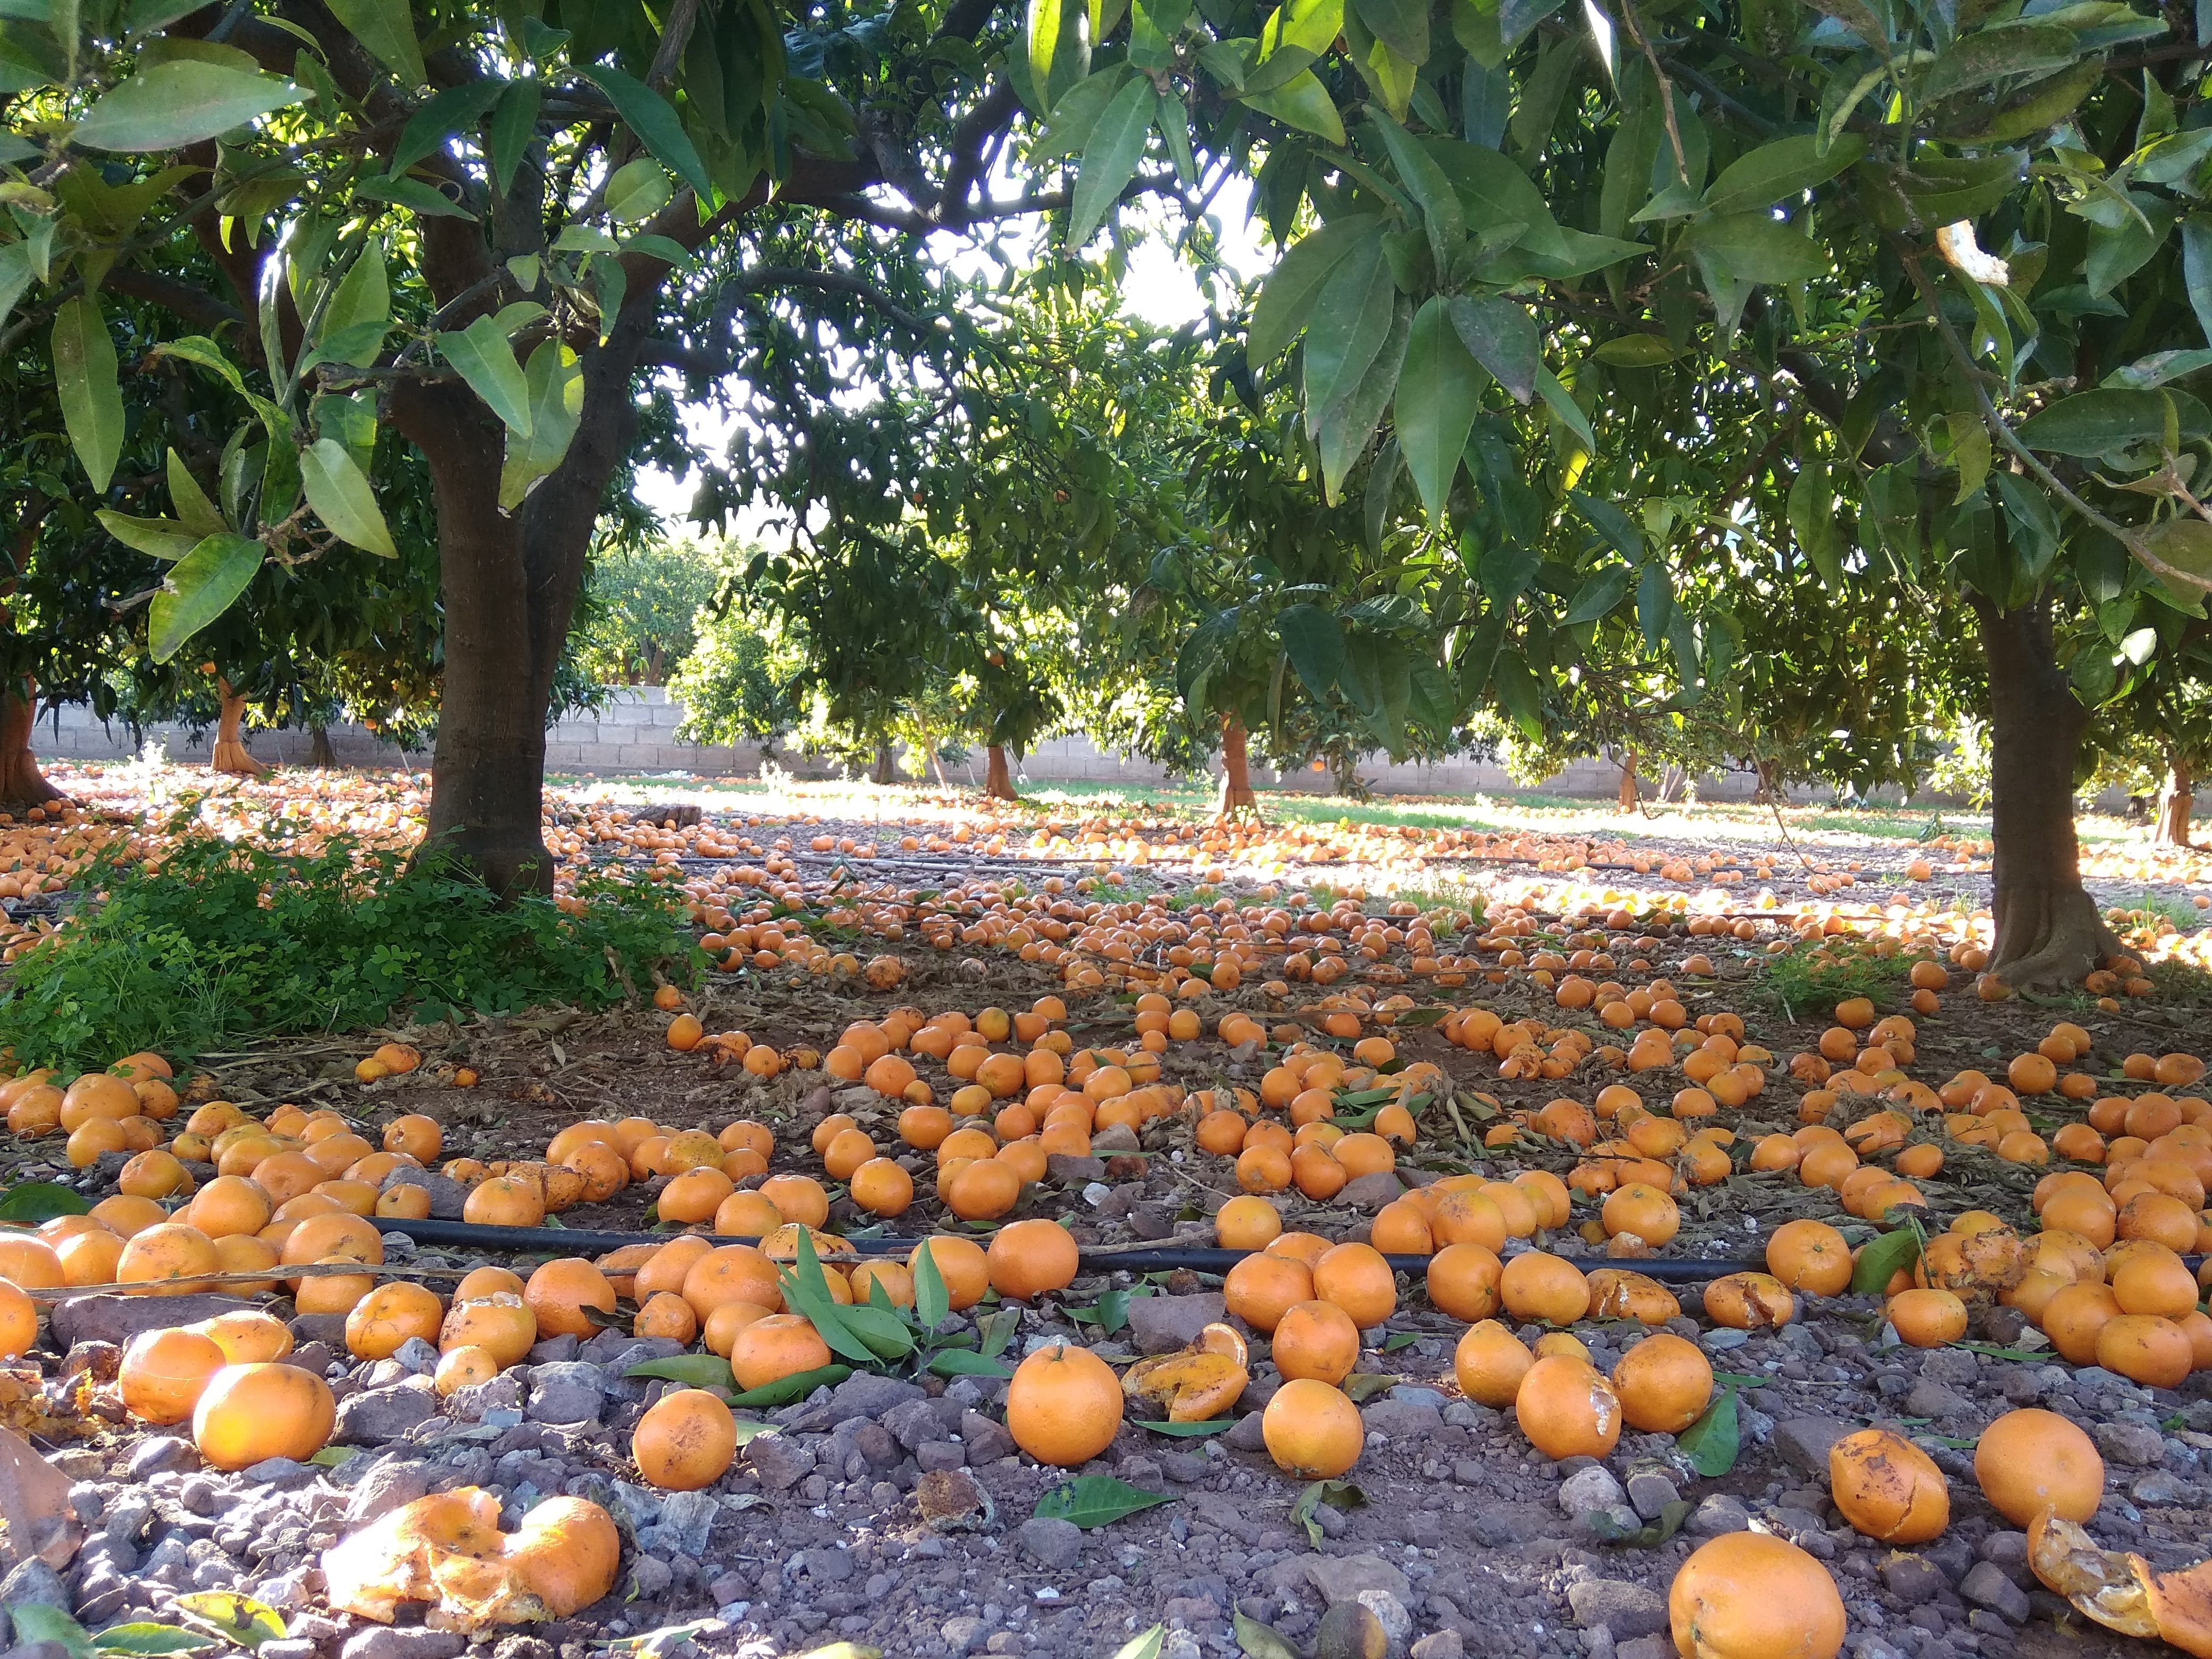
x,y
1160,288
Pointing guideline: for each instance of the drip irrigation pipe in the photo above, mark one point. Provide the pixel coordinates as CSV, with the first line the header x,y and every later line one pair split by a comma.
x,y
579,1241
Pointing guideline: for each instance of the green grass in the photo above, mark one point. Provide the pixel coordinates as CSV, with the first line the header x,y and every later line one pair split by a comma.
x,y
226,944
1802,988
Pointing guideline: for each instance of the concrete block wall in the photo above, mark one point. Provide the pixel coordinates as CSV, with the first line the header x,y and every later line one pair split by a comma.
x,y
636,734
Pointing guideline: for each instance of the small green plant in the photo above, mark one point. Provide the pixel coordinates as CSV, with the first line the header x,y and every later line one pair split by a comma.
x,y
225,942
1808,980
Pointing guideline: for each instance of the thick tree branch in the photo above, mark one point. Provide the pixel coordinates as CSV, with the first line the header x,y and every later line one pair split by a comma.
x,y
195,305
969,142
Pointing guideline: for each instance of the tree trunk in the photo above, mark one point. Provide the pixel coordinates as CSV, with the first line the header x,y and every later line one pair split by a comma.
x,y
1630,797
2049,931
1344,770
2176,802
22,784
998,780
885,770
1235,799
323,757
230,756
509,583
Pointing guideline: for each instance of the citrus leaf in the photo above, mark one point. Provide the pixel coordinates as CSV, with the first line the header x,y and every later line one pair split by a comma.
x,y
808,1292
961,1362
1337,1494
1259,1641
1145,1644
1363,1385
236,1618
339,492
1096,1500
797,1386
202,585
1713,1441
180,102
694,1371
1110,155
141,1638
85,379
654,121
1883,1259
482,357
1190,1431
1669,1521
28,1203
161,539
386,28
932,1302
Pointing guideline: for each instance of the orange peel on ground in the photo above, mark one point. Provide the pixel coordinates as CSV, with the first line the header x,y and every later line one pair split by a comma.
x,y
1195,1383
2124,1592
447,1549
1617,1293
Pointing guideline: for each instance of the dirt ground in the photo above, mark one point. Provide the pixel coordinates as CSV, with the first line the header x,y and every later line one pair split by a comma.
x,y
896,1513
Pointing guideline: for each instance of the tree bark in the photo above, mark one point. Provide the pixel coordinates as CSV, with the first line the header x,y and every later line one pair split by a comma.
x,y
324,757
2048,931
1235,799
2177,800
1343,770
22,784
230,757
885,770
998,780
1632,797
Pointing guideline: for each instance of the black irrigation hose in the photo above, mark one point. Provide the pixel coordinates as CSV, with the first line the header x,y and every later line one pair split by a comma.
x,y
580,1241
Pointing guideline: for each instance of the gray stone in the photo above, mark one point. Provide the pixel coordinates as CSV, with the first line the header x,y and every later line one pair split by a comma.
x,y
1912,1579
1052,1543
1650,1492
1438,1645
33,1583
1391,1615
1161,1324
1068,1170
986,1440
565,1391
375,1416
448,1196
1954,1366
416,1356
780,1461
286,1647
1625,1610
2132,1445
1403,1418
1986,1586
964,1635
159,1453
932,1455
401,1641
1502,1526
687,1522
1588,1490
1247,1435
1930,1398
920,1421
1342,1578
1646,1647
117,1319
1116,1138
864,1393
390,1483
556,1351
1804,1443
2163,1490
284,1473
649,1576
1370,1192
1717,1514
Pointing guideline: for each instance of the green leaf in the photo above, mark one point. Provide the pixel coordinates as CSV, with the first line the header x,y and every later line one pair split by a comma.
x,y
932,1302
160,539
359,345
238,1618
964,1362
85,378
14,276
1337,1494
1563,405
1598,597
1153,29
1883,1259
339,492
808,1292
1145,1644
481,354
1309,26
1303,103
1190,1431
1777,170
785,1389
1351,319
1441,212
28,1203
1258,1641
1811,513
1110,157
333,1457
2005,52
556,380
410,193
200,586
1713,1441
36,1622
197,513
1293,288
455,109
1096,1500
1076,114
882,1329
1040,31
1636,351
180,103
1345,425
2160,366
513,124
1313,641
654,121
2107,420
146,1639
1668,1523
993,1335
1756,248
641,187
386,28
1502,335
1439,394
1610,522
693,1371
1363,1385
2197,268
